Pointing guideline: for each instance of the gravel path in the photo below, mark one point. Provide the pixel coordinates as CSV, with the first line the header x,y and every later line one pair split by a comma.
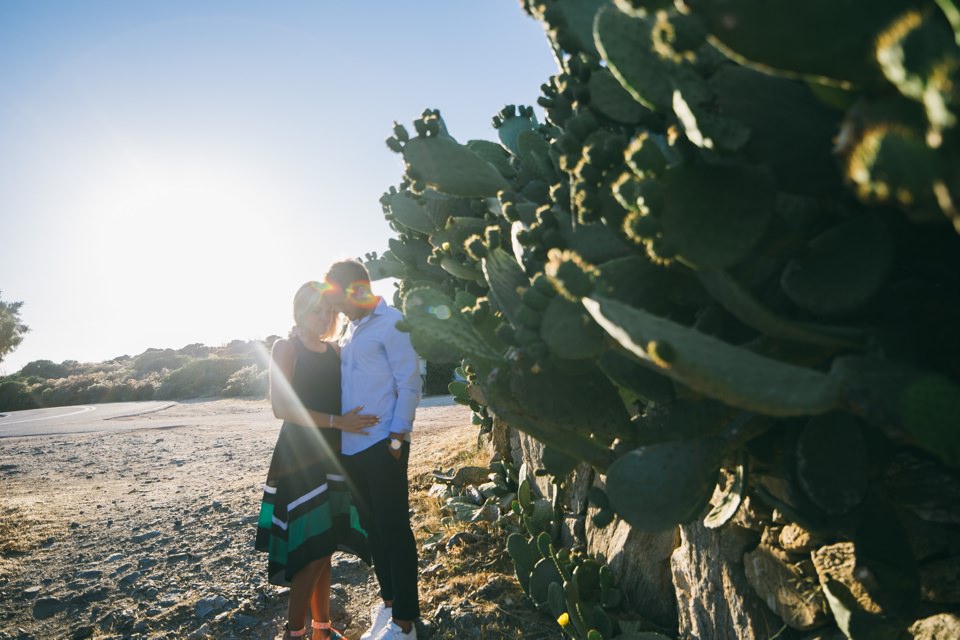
x,y
149,533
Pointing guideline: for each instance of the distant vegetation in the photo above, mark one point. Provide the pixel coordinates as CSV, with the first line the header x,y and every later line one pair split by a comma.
x,y
11,329
238,369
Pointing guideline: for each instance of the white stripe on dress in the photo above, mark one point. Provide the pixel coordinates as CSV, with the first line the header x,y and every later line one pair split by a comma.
x,y
307,496
268,489
335,477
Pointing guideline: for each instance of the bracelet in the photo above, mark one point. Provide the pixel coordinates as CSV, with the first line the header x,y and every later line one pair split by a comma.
x,y
331,420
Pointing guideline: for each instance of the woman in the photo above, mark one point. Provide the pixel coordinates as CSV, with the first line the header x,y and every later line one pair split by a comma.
x,y
306,512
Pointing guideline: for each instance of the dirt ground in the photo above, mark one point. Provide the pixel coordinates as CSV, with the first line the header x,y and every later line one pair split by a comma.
x,y
148,534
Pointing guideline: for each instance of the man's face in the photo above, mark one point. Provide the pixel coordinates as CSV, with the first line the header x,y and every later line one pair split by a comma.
x,y
354,302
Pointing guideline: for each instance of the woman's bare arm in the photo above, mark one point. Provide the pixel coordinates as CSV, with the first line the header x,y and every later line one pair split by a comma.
x,y
287,406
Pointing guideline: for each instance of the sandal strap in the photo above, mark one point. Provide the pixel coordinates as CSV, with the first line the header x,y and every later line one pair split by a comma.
x,y
296,634
334,634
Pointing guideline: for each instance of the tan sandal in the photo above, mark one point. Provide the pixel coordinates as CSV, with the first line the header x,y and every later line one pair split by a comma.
x,y
333,633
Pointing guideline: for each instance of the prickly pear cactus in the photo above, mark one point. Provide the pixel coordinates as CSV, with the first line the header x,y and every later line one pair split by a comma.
x,y
726,249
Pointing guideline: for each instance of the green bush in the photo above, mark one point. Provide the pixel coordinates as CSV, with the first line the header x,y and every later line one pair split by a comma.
x,y
156,360
15,396
200,378
250,381
47,369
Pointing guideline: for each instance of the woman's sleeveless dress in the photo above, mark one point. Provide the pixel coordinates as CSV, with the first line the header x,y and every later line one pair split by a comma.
x,y
306,513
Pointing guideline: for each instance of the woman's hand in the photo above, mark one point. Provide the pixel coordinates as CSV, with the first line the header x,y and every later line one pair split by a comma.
x,y
355,422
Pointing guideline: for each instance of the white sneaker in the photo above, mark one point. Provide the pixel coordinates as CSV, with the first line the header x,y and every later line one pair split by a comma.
x,y
393,632
380,616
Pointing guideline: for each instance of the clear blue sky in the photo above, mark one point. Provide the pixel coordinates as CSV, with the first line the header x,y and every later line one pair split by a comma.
x,y
171,172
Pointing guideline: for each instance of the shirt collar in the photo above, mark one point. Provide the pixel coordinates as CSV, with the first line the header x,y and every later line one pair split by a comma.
x,y
378,310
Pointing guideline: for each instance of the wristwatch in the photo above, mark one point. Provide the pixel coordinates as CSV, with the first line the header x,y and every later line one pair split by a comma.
x,y
395,444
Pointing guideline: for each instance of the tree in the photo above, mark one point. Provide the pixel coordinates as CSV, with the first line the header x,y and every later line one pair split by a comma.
x,y
11,329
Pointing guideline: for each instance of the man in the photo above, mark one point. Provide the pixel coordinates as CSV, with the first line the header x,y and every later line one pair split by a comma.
x,y
380,372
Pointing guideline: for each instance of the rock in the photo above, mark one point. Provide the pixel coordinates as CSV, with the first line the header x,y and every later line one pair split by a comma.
x,y
943,626
752,515
129,579
30,592
785,589
940,581
736,541
838,562
438,490
473,494
143,537
244,621
95,594
796,539
44,608
922,485
714,598
83,631
91,574
207,606
640,565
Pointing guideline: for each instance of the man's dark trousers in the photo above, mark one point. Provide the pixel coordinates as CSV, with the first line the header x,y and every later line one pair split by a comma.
x,y
382,498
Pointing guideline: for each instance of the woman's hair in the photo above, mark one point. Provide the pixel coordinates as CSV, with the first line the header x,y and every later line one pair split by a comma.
x,y
309,297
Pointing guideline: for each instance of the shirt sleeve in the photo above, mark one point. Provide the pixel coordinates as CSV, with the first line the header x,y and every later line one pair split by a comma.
x,y
405,368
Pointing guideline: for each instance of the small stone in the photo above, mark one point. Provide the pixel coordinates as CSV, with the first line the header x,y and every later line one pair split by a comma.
x,y
32,591
943,626
83,631
146,563
207,606
244,621
130,578
796,539
90,574
838,562
44,608
143,537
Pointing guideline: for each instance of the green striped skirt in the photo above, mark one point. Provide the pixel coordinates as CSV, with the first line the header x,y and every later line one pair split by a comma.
x,y
306,513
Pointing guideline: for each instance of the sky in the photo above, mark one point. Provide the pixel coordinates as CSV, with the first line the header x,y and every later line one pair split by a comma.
x,y
171,172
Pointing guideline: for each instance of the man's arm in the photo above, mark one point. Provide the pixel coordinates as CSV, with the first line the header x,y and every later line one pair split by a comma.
x,y
405,369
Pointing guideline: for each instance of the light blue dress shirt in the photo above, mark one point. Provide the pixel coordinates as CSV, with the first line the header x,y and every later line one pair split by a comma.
x,y
380,371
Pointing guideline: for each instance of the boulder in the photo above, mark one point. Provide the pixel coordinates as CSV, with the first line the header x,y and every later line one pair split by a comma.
x,y
714,598
787,588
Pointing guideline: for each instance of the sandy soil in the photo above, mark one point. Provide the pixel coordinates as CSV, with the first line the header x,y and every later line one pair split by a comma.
x,y
148,533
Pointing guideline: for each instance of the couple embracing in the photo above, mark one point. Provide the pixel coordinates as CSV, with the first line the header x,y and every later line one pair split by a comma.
x,y
338,476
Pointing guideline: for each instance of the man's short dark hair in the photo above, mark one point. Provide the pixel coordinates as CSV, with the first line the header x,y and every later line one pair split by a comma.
x,y
347,273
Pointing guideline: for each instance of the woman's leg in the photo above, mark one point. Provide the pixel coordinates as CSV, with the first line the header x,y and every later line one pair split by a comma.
x,y
320,599
301,588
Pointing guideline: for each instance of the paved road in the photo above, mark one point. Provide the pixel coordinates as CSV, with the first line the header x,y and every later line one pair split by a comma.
x,y
121,416
78,419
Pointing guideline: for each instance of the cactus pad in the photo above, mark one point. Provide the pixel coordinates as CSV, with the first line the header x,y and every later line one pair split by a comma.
x,y
716,369
659,486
